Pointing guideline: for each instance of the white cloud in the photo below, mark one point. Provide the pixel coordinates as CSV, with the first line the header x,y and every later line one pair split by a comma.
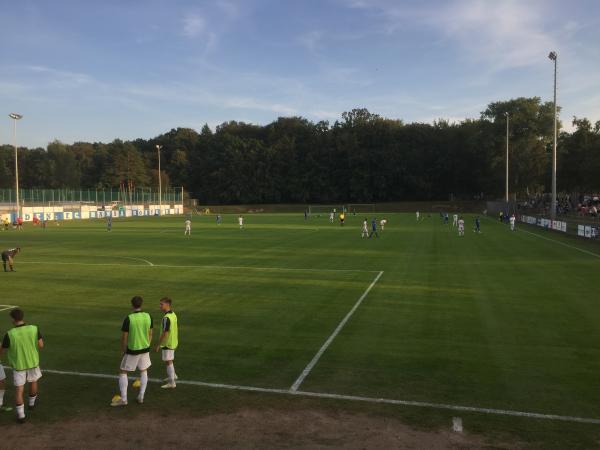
x,y
193,25
504,34
311,40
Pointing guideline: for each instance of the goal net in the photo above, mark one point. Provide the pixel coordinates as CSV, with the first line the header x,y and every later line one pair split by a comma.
x,y
355,208
324,210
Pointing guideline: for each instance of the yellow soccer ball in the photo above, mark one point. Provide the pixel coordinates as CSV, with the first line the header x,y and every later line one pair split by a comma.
x,y
136,384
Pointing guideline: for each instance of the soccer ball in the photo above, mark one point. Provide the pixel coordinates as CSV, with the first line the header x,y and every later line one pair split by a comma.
x,y
136,384
116,398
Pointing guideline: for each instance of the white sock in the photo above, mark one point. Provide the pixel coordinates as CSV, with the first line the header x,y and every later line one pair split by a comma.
x,y
171,373
32,400
21,411
143,383
123,382
1,397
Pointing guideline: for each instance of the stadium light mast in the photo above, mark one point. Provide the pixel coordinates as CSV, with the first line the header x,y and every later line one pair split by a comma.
x,y
554,57
15,117
158,147
506,186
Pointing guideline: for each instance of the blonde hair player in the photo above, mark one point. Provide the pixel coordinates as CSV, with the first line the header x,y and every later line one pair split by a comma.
x,y
168,341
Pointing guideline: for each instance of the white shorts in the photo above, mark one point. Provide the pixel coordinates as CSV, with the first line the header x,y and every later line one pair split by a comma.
x,y
20,377
2,374
131,363
168,355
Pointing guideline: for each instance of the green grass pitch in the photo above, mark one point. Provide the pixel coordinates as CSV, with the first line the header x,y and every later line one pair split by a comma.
x,y
494,320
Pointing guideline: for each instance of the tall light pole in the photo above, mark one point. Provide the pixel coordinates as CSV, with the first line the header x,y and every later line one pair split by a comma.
x,y
15,117
158,147
506,186
554,57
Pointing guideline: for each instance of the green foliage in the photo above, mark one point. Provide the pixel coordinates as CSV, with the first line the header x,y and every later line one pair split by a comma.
x,y
362,158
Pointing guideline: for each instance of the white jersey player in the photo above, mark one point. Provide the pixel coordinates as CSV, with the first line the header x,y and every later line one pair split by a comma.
x,y
418,216
455,220
461,227
382,223
188,227
365,229
513,219
241,221
331,216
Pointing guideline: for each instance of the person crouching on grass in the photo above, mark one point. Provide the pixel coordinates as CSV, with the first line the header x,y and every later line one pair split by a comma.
x,y
168,341
23,343
136,336
8,256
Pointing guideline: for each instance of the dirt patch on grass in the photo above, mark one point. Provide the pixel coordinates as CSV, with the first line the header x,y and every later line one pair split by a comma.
x,y
247,428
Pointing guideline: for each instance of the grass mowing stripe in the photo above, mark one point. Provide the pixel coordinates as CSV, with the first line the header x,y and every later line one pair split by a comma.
x,y
329,340
355,398
564,244
192,266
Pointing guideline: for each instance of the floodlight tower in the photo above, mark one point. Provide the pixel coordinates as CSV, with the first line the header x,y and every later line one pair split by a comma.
x,y
506,186
554,57
158,148
15,117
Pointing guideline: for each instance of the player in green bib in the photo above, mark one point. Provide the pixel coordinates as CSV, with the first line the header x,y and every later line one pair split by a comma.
x,y
168,341
136,338
22,344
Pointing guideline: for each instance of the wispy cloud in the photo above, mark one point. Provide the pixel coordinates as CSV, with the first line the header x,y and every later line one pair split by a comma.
x,y
503,34
193,25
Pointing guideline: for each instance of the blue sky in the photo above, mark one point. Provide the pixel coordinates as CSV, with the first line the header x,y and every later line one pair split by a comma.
x,y
100,70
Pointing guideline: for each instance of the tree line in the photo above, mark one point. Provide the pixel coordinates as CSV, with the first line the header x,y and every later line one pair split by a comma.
x,y
360,158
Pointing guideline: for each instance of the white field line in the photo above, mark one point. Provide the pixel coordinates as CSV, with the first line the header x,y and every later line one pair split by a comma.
x,y
7,307
128,257
149,264
564,244
330,339
352,398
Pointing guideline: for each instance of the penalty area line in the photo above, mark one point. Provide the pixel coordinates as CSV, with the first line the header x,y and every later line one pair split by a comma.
x,y
330,339
199,266
350,398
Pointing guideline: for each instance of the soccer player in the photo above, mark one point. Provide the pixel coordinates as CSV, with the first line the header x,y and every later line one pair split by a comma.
x,y
188,227
342,218
6,223
382,224
109,222
241,221
365,229
23,343
512,222
168,341
374,228
455,220
218,219
8,256
135,345
2,387
331,216
418,216
477,225
461,227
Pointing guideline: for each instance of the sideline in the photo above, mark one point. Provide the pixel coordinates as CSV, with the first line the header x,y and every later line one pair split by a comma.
x,y
353,398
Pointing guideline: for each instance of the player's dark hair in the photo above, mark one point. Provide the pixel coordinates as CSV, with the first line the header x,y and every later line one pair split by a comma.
x,y
137,301
166,300
17,314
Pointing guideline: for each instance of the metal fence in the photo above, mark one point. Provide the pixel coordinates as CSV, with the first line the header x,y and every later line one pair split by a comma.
x,y
141,196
